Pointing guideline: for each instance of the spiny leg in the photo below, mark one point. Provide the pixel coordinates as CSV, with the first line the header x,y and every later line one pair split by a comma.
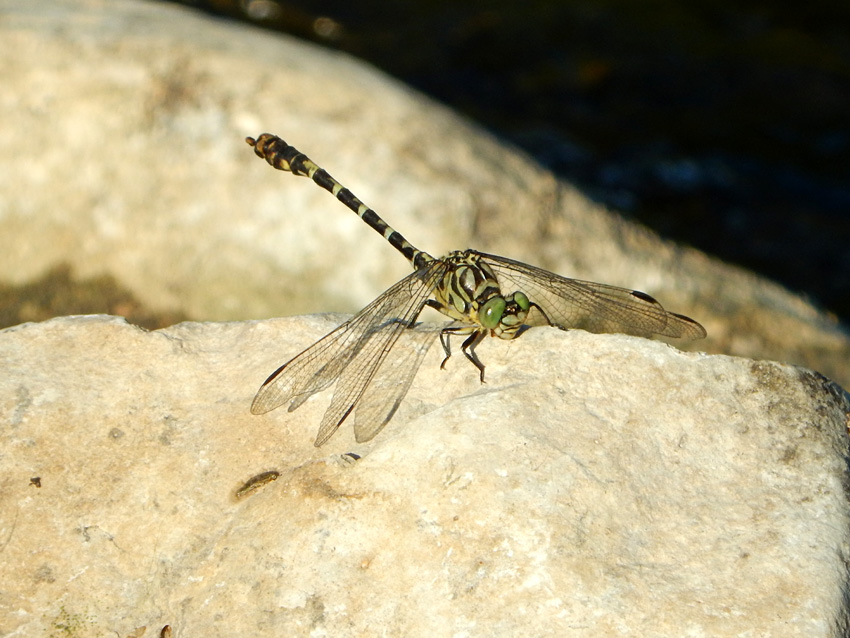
x,y
476,336
444,341
467,347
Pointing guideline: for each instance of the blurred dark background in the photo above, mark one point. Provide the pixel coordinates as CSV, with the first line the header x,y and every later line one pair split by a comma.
x,y
724,125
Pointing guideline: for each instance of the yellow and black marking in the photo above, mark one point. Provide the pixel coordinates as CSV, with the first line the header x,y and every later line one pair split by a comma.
x,y
467,290
287,158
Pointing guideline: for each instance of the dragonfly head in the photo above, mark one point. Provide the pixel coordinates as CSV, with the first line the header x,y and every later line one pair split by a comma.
x,y
504,315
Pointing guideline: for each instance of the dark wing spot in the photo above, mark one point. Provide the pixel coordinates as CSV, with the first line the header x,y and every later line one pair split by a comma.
x,y
643,296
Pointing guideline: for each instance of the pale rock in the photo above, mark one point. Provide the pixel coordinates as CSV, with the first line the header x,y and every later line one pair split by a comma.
x,y
124,155
596,485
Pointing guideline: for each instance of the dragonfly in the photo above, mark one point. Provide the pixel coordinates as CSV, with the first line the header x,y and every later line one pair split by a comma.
x,y
374,356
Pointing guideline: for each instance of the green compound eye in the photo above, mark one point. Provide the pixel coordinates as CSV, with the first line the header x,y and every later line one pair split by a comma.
x,y
521,300
490,314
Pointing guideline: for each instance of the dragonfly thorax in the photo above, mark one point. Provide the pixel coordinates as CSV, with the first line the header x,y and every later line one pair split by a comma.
x,y
469,292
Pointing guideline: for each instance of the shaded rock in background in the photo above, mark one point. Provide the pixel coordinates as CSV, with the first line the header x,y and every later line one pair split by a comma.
x,y
59,292
127,159
595,484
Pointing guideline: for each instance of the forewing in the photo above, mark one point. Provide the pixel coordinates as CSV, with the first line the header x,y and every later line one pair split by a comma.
x,y
321,364
378,327
572,303
391,381
308,372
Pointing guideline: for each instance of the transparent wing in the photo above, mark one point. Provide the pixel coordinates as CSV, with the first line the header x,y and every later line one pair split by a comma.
x,y
351,353
312,370
571,303
391,381
367,358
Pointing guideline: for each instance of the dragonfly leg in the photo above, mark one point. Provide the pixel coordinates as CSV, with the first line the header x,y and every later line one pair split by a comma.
x,y
444,341
468,349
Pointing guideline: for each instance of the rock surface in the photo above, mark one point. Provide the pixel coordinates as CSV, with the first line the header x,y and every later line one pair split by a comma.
x,y
125,156
597,485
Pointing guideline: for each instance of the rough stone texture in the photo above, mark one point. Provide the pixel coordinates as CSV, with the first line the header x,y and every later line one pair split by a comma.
x,y
124,155
597,485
